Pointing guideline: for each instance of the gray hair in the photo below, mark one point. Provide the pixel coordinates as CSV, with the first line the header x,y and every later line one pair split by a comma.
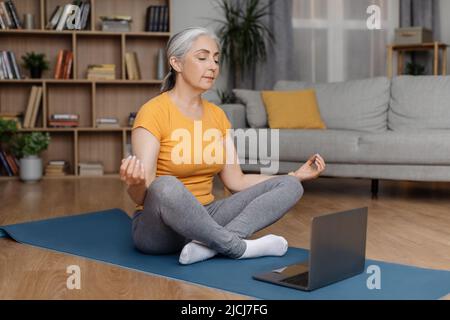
x,y
178,45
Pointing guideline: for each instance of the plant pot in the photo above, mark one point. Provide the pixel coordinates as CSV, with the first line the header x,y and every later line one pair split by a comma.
x,y
36,73
31,168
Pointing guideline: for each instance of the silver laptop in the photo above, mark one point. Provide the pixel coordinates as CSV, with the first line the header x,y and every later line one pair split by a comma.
x,y
337,251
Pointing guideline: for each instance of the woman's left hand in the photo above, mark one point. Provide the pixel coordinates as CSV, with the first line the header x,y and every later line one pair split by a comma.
x,y
311,169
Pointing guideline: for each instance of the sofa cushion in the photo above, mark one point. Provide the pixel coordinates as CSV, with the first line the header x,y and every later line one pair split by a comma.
x,y
292,109
338,146
420,103
394,147
360,105
254,107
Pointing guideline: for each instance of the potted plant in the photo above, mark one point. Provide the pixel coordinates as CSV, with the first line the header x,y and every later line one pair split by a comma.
x,y
243,36
27,148
36,63
415,69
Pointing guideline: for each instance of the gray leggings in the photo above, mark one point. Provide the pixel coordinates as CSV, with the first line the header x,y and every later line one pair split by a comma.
x,y
172,216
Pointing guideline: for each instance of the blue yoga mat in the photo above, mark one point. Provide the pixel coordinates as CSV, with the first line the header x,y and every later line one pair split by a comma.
x,y
106,236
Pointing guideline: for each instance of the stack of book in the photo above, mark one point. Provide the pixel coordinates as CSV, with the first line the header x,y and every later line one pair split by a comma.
x,y
90,169
56,168
64,120
132,66
107,123
116,23
17,117
157,19
9,18
101,71
33,107
9,164
64,61
73,16
9,69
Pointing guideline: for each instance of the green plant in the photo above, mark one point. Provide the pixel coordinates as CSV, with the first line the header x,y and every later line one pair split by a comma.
x,y
30,144
32,60
415,69
226,96
243,36
8,129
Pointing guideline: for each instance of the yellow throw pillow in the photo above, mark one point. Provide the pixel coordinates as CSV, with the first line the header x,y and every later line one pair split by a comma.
x,y
292,109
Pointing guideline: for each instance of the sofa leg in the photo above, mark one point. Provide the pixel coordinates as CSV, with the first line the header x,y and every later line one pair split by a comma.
x,y
374,188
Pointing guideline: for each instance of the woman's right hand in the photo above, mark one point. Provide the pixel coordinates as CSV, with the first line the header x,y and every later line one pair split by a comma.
x,y
132,171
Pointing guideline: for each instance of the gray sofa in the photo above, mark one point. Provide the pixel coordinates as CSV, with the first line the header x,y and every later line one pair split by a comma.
x,y
377,128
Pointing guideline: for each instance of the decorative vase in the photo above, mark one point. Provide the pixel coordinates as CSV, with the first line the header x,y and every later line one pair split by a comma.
x,y
31,168
36,73
160,65
28,19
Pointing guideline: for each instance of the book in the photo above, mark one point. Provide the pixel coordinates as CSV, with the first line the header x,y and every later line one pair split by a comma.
x,y
15,67
57,162
9,159
67,66
157,18
5,164
3,74
59,63
6,16
63,123
132,66
116,18
14,14
53,22
29,110
91,165
116,26
102,72
84,15
108,125
7,65
36,107
64,116
107,120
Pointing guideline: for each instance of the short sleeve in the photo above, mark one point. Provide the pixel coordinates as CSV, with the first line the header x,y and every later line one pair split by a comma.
x,y
149,117
225,123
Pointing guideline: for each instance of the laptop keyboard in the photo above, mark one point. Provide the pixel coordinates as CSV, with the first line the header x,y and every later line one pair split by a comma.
x,y
299,279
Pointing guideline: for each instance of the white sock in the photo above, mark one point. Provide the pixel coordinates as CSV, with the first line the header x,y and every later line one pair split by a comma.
x,y
270,245
195,251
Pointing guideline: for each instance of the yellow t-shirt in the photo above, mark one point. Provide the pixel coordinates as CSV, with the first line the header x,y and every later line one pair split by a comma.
x,y
190,150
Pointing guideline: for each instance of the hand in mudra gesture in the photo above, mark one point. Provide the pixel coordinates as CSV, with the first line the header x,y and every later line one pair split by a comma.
x,y
132,171
311,169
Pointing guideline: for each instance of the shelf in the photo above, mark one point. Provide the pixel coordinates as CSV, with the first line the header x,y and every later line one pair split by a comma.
x,y
90,98
86,33
104,147
79,129
75,81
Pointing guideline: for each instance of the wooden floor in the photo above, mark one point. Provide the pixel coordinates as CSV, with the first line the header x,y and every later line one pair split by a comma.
x,y
409,223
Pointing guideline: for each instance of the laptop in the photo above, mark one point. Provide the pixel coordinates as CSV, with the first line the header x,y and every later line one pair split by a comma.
x,y
337,252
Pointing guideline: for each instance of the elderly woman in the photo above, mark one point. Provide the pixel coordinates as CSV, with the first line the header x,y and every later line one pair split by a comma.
x,y
176,209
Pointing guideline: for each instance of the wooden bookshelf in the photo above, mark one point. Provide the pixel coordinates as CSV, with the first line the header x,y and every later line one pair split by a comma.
x,y
90,99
